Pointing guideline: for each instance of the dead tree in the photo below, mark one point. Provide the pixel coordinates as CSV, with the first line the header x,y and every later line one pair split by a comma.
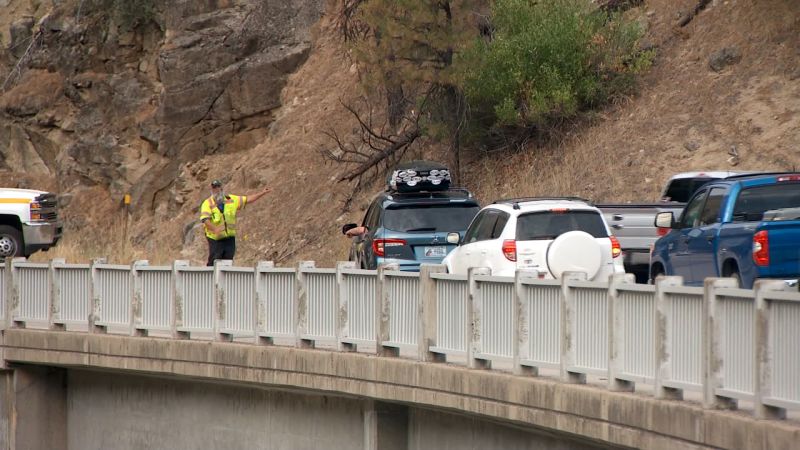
x,y
377,144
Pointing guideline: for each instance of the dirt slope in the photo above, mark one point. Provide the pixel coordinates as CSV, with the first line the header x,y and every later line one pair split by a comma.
x,y
686,117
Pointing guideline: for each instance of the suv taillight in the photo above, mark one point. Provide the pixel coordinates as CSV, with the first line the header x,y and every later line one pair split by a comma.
x,y
510,249
616,250
761,248
379,245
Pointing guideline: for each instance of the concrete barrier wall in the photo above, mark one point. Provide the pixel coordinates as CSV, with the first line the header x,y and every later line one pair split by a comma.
x,y
117,411
532,403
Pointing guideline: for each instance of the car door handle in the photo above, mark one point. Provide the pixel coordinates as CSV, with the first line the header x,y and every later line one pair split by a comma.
x,y
710,239
616,217
617,226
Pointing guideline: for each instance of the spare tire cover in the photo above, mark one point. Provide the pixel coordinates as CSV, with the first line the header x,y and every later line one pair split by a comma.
x,y
574,251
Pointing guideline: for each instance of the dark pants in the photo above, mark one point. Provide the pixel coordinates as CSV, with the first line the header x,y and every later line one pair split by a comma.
x,y
221,249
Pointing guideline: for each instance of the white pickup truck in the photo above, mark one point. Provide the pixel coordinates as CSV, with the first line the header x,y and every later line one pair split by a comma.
x,y
634,223
29,222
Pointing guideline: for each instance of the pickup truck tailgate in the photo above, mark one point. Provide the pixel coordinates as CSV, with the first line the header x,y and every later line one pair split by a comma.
x,y
634,225
784,248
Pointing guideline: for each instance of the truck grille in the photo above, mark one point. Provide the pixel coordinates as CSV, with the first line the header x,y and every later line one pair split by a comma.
x,y
49,207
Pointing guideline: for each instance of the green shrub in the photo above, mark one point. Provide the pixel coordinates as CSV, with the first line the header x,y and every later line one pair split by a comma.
x,y
548,60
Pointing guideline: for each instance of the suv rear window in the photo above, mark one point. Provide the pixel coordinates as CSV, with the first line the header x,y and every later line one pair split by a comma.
x,y
682,189
549,224
406,219
753,202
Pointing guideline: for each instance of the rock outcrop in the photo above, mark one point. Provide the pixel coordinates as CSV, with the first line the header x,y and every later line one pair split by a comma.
x,y
93,102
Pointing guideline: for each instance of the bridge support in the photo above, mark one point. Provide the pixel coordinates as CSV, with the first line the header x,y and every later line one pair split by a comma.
x,y
33,409
385,426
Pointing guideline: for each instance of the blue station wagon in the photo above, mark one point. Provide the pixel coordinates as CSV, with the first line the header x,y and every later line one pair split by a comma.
x,y
412,228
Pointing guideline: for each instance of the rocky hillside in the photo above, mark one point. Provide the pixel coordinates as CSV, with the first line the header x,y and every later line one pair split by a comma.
x,y
242,90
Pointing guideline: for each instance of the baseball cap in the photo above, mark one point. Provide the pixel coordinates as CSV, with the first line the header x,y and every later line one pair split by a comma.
x,y
216,183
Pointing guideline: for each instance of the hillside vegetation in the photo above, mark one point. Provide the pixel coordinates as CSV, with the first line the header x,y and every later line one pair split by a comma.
x,y
694,108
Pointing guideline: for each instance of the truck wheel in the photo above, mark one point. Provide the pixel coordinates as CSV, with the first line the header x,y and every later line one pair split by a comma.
x,y
655,272
10,242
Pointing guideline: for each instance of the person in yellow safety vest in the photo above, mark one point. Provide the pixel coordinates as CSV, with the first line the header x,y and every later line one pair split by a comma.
x,y
218,215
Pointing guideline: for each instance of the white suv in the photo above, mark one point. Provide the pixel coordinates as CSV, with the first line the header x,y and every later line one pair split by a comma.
x,y
550,235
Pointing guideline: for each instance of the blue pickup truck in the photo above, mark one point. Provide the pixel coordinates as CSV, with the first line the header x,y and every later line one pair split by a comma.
x,y
745,227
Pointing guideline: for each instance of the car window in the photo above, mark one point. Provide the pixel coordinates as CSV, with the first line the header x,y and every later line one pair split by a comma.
x,y
681,189
453,217
483,226
502,219
710,214
471,235
371,218
753,202
543,225
691,214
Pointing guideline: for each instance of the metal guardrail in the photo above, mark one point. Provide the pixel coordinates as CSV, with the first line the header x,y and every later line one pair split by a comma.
x,y
154,287
495,305
452,302
276,294
729,344
402,293
72,288
632,328
194,298
112,293
540,323
358,296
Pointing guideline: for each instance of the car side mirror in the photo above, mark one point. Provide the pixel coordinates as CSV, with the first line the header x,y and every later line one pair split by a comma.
x,y
453,238
348,227
665,220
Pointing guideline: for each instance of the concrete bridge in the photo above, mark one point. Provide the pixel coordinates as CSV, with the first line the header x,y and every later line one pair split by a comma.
x,y
105,356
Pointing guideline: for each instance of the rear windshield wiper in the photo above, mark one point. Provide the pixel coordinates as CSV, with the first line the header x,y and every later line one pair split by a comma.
x,y
420,229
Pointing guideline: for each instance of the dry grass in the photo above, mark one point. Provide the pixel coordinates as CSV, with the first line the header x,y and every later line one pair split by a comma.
x,y
114,245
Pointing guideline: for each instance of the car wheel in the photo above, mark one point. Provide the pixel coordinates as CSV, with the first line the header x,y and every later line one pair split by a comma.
x,y
10,242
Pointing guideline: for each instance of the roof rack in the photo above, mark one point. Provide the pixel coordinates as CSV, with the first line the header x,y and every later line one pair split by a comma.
x,y
432,194
514,202
760,174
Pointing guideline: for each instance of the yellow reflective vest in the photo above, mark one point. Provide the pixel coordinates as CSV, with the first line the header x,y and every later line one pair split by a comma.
x,y
226,216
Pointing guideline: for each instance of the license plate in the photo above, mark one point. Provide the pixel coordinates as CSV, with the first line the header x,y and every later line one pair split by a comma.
x,y
439,251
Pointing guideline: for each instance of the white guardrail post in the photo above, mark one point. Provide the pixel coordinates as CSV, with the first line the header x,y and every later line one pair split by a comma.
x,y
54,308
712,356
521,340
94,298
178,302
664,340
218,306
567,333
382,311
616,335
427,312
260,317
301,305
343,308
763,366
136,298
473,325
4,268
12,292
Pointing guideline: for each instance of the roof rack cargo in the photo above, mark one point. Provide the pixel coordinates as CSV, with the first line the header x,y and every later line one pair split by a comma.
x,y
514,202
419,175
